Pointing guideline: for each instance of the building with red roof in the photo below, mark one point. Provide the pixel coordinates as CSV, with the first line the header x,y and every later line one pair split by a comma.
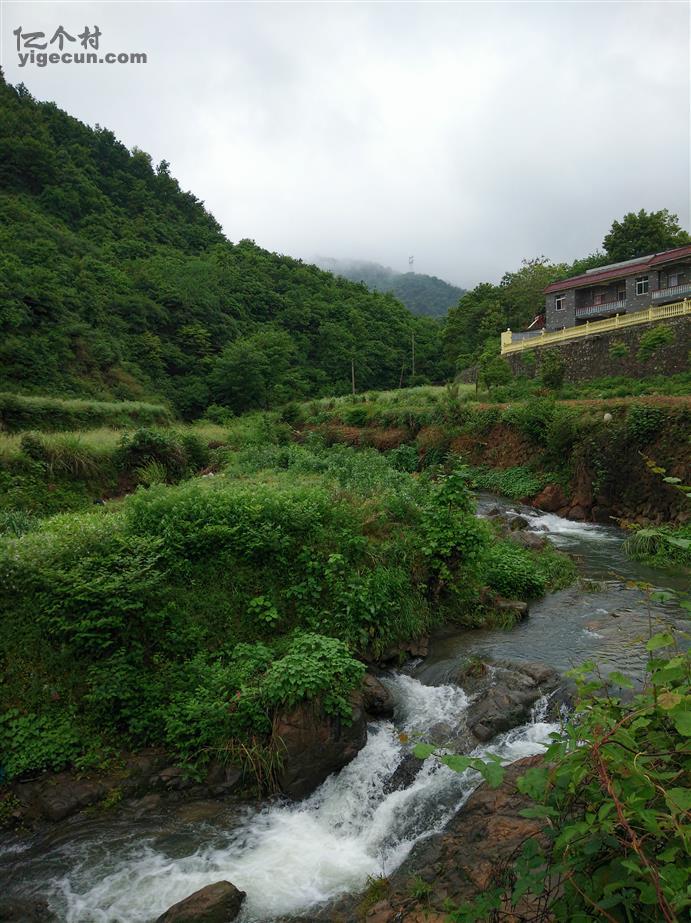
x,y
621,288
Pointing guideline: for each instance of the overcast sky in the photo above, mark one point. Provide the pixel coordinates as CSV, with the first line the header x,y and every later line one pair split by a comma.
x,y
470,135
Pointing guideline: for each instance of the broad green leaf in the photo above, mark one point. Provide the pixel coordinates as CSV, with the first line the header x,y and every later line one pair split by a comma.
x,y
678,799
620,679
422,751
664,639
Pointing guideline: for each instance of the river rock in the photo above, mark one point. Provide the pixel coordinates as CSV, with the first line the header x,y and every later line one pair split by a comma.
x,y
313,744
377,700
217,903
19,910
550,499
462,861
529,540
517,523
504,695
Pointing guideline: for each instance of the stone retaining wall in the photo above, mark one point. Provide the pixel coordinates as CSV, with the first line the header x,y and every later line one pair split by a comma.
x,y
590,357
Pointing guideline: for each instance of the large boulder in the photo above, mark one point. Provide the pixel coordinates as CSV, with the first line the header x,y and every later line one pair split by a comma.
x,y
217,903
20,910
377,700
313,744
504,694
551,499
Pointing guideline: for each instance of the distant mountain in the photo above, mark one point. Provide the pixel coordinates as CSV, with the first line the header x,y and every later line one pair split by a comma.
x,y
420,293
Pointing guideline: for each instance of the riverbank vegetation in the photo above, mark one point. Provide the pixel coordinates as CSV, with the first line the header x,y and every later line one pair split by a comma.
x,y
186,614
612,793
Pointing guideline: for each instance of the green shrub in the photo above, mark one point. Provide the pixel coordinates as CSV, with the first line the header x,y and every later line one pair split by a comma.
x,y
618,351
404,458
644,423
143,446
531,418
653,340
517,483
512,571
552,369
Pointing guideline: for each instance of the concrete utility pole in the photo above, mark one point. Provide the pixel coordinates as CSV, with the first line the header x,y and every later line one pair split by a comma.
x,y
352,374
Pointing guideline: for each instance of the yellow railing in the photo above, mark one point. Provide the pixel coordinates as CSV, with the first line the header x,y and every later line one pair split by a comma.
x,y
618,322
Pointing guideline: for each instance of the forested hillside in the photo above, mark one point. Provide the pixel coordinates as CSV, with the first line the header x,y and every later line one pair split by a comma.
x,y
114,283
422,294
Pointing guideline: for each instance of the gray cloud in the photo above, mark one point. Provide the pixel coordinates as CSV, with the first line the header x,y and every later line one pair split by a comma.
x,y
469,134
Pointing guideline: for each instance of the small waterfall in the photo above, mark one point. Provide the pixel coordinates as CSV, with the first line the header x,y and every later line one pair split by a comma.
x,y
289,857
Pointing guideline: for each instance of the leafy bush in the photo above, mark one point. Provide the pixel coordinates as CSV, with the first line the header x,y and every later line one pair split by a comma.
x,y
517,483
531,418
644,423
618,351
653,340
552,369
404,458
314,666
144,446
512,571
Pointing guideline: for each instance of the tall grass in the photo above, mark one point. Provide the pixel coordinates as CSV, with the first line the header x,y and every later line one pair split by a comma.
x,y
21,412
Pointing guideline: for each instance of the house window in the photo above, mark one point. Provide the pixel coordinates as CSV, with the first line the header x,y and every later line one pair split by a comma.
x,y
560,302
597,298
642,285
672,279
621,294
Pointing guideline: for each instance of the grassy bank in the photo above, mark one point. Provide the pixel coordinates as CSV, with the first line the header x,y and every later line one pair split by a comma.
x,y
186,615
50,414
596,452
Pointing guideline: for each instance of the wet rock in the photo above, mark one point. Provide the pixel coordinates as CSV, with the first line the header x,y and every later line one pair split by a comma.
x,y
377,700
464,859
515,609
578,513
217,903
529,540
517,523
404,774
551,499
67,795
401,652
504,695
313,744
20,910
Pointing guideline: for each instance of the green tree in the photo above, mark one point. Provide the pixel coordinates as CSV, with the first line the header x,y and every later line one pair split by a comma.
x,y
640,233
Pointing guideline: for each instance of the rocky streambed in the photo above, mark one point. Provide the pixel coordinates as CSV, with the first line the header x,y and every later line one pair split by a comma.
x,y
386,816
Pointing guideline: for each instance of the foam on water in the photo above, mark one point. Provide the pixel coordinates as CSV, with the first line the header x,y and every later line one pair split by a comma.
x,y
290,857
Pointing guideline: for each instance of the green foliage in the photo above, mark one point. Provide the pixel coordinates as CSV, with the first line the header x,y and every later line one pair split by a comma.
x,y
314,666
20,412
618,351
52,741
552,369
517,483
644,423
641,233
493,369
654,339
119,285
186,616
160,455
532,419
661,546
513,571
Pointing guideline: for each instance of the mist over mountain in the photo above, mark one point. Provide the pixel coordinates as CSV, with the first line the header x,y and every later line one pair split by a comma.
x,y
420,293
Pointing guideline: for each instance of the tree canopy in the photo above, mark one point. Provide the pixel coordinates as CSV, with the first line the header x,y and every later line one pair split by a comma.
x,y
640,233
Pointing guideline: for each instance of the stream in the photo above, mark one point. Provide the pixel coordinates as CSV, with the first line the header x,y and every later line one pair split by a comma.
x,y
290,857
